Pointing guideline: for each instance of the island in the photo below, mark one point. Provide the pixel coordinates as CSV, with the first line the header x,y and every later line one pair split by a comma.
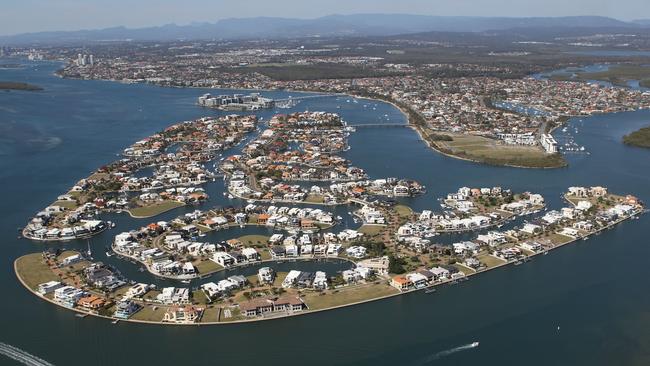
x,y
285,178
640,138
13,85
380,269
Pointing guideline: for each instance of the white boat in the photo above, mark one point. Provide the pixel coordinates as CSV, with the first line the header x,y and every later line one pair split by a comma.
x,y
474,344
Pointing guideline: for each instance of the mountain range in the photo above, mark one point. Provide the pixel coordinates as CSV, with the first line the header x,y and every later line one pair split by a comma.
x,y
327,26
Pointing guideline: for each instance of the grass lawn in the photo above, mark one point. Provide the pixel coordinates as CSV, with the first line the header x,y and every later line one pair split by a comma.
x,y
371,230
465,270
258,241
490,151
279,277
31,268
315,198
489,260
148,313
235,315
559,238
207,266
347,295
70,205
265,254
211,314
403,210
199,297
155,209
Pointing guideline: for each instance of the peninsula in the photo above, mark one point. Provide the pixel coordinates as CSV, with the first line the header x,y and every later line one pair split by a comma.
x,y
13,85
640,138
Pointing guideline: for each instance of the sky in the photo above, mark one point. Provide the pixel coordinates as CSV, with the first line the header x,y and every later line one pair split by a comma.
x,y
22,16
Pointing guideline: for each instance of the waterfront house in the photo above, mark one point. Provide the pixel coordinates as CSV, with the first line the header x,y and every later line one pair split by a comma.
x,y
278,252
378,265
224,259
266,275
92,302
125,308
290,279
68,295
417,280
401,283
440,273
49,287
251,254
182,314
261,306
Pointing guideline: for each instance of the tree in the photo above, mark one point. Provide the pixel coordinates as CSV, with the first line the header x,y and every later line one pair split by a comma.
x,y
396,265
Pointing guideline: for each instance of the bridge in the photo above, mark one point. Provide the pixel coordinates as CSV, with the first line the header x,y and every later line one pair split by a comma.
x,y
291,99
381,125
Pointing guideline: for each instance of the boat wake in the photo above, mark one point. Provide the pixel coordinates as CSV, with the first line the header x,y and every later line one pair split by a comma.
x,y
445,353
21,356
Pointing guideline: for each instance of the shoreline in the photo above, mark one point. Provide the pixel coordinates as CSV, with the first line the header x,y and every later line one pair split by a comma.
x,y
307,312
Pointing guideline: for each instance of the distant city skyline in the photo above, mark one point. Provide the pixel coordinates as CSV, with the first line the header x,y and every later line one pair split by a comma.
x,y
25,16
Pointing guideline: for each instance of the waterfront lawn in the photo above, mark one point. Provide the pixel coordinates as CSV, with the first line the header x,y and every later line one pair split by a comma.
x,y
235,315
559,239
211,314
147,313
33,270
490,260
257,241
198,297
489,151
371,230
315,198
155,209
279,277
207,266
403,210
347,295
70,205
465,270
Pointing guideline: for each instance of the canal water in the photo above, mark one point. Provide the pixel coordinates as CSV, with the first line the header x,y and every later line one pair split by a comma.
x,y
585,304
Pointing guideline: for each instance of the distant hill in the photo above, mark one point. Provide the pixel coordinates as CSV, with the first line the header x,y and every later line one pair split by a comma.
x,y
331,25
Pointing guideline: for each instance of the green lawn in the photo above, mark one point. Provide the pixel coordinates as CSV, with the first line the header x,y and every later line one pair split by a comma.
x,y
371,230
31,268
348,295
403,210
207,266
70,205
149,314
258,241
489,260
155,209
491,151
315,198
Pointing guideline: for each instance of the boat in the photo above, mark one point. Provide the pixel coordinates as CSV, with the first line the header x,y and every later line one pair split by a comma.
x,y
474,344
115,321
80,315
185,281
430,290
